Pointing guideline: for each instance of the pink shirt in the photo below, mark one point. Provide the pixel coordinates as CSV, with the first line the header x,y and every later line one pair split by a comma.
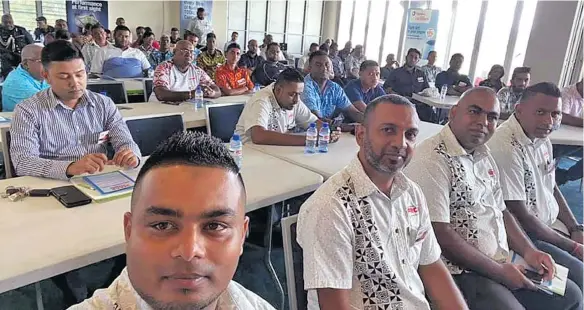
x,y
572,101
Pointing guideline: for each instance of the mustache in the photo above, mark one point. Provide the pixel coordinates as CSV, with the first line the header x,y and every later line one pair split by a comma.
x,y
188,270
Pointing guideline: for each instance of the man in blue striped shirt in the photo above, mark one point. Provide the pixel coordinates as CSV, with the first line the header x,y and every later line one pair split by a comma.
x,y
63,131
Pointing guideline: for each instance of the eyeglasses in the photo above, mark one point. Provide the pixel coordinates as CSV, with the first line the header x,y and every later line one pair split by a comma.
x,y
185,51
32,60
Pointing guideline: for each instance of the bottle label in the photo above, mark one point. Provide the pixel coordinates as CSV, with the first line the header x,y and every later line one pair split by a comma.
x,y
311,138
237,152
326,138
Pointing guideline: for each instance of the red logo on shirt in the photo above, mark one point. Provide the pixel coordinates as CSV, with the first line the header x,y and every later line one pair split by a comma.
x,y
413,209
491,172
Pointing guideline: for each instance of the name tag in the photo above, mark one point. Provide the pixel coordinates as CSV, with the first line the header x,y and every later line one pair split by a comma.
x,y
103,137
241,82
420,79
461,84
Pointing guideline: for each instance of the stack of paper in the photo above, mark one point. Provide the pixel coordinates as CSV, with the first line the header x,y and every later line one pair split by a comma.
x,y
556,285
105,186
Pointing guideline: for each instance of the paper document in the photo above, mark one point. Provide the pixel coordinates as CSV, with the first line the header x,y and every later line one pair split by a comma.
x,y
557,285
108,183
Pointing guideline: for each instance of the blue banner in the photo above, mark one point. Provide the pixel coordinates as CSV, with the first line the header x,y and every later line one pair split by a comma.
x,y
188,11
421,30
80,13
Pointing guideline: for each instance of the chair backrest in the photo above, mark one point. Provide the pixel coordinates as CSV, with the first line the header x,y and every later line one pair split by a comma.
x,y
297,296
8,166
1,107
148,87
222,118
113,89
149,131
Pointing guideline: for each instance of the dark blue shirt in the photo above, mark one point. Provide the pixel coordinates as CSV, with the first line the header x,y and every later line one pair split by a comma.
x,y
246,61
406,83
452,78
355,92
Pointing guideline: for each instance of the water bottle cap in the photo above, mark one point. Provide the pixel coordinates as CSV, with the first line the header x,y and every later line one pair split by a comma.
x,y
325,125
235,137
312,125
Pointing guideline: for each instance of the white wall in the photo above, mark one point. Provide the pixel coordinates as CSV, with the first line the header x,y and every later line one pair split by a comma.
x,y
330,24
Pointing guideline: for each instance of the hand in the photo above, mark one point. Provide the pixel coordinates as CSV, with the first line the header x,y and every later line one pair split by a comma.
x,y
208,91
125,158
514,277
90,163
578,252
536,259
577,236
335,135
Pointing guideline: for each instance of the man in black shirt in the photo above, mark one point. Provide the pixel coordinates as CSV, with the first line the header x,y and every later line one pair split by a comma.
x,y
408,79
457,83
267,73
12,39
42,29
251,59
174,35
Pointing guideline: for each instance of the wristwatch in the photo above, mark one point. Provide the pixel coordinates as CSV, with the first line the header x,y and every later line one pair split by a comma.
x,y
578,227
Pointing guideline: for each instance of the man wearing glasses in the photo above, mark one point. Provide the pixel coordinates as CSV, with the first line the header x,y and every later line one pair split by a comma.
x,y
177,79
24,81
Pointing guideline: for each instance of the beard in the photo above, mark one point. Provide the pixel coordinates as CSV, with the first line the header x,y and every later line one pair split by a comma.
x,y
377,162
160,305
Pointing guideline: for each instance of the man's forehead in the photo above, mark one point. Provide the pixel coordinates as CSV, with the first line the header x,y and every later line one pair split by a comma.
x,y
397,114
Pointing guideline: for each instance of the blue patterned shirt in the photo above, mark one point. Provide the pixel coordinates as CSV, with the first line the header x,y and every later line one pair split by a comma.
x,y
325,103
47,136
157,57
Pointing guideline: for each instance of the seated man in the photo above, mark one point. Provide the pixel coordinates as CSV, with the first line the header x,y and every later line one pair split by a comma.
x,y
163,54
325,98
365,233
231,79
430,69
353,62
523,152
269,70
99,40
62,131
366,88
268,39
455,169
250,59
275,110
120,60
510,96
174,36
211,58
303,61
457,83
24,81
177,80
573,112
390,65
408,79
184,233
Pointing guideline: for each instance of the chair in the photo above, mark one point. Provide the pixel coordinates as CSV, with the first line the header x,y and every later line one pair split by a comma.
x,y
8,166
1,107
297,296
222,118
149,131
113,89
148,87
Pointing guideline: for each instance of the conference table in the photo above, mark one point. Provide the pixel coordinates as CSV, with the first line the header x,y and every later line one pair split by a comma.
x,y
447,103
40,238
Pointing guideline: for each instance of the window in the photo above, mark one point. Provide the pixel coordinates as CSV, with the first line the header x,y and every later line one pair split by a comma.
x,y
359,20
393,28
295,10
313,18
444,8
525,24
24,13
53,10
344,32
465,29
376,14
277,17
257,16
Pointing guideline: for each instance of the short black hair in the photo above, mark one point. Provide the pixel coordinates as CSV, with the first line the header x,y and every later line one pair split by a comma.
x,y
290,75
189,34
520,70
272,44
211,35
431,52
147,34
313,45
392,99
121,28
97,26
233,45
414,50
335,45
173,29
324,47
138,28
107,31
235,32
201,9
456,55
316,54
366,64
545,88
62,34
190,149
58,50
148,29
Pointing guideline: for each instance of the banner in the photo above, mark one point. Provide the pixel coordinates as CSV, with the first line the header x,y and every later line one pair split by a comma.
x,y
80,13
421,30
188,11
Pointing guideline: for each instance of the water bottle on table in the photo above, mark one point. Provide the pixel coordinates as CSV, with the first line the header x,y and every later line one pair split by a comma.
x,y
256,88
198,97
324,137
236,149
311,137
443,92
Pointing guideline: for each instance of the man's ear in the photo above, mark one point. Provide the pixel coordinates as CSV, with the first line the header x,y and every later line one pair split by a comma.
x,y
360,131
45,74
127,225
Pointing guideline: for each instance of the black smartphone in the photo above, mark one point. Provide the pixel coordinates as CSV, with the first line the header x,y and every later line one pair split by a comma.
x,y
70,196
39,193
534,276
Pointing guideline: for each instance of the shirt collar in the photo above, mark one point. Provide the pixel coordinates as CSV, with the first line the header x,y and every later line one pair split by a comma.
x,y
53,101
520,135
453,147
365,187
311,80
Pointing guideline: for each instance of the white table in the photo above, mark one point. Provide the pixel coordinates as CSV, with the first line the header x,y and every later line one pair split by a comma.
x,y
448,102
40,238
568,135
339,155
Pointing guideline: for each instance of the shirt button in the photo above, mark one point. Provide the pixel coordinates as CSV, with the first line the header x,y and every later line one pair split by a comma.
x,y
397,230
403,261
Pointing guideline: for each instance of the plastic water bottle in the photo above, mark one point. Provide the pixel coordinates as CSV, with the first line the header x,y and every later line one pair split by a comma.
x,y
256,88
236,148
443,92
311,137
198,98
151,72
324,137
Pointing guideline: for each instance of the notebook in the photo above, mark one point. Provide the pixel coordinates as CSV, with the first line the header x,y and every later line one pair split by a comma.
x,y
106,186
557,285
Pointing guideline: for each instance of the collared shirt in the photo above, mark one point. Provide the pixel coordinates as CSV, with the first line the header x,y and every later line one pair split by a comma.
x,y
431,72
324,102
357,238
89,50
227,45
496,85
508,98
167,75
147,51
303,62
157,57
338,66
210,63
233,79
47,136
572,101
355,92
200,27
405,82
250,62
385,72
109,52
465,192
267,72
452,78
19,85
122,295
527,169
263,110
343,54
352,64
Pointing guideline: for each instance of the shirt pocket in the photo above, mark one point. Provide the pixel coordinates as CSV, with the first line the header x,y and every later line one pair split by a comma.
x,y
415,236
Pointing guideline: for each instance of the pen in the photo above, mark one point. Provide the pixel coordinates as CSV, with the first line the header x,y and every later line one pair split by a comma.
x,y
555,273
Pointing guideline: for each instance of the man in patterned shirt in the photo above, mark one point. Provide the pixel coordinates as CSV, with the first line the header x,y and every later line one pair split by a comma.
x,y
231,79
90,49
510,96
523,153
211,58
365,233
469,217
163,54
177,80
